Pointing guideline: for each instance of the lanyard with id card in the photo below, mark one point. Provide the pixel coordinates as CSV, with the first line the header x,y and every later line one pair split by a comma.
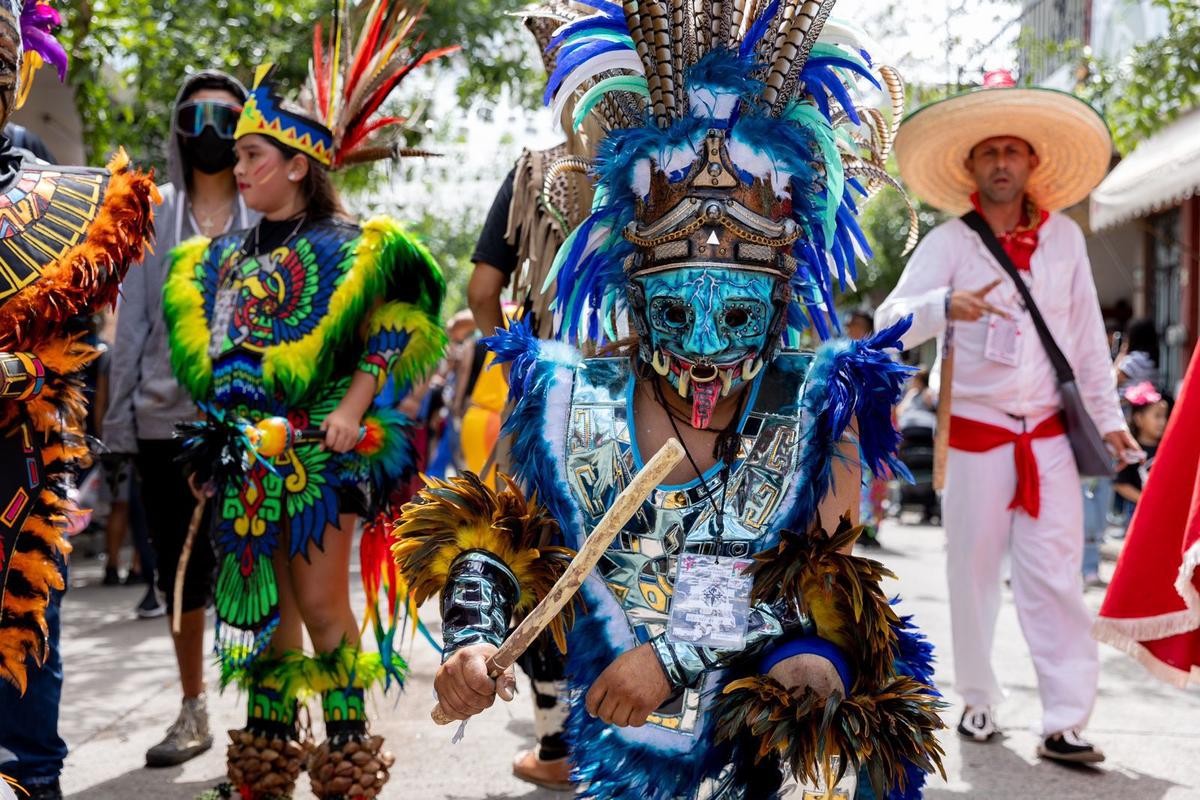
x,y
711,602
1003,344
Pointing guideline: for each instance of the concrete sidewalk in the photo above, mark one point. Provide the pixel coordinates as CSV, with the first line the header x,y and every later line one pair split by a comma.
x,y
121,694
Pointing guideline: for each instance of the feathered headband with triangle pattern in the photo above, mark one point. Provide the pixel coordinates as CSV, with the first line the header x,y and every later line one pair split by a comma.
x,y
349,77
764,92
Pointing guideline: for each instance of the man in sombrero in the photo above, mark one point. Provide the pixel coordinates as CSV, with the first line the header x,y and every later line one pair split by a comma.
x,y
1016,156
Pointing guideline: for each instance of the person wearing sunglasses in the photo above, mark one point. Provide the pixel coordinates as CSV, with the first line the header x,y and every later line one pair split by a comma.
x,y
201,199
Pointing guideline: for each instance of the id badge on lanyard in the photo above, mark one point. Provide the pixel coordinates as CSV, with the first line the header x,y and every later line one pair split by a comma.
x,y
1003,345
711,602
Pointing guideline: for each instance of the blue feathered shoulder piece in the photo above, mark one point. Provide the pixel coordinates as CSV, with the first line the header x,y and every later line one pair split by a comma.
x,y
860,382
527,355
540,380
850,382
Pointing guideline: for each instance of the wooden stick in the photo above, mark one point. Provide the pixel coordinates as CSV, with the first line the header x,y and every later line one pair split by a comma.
x,y
941,440
623,508
185,555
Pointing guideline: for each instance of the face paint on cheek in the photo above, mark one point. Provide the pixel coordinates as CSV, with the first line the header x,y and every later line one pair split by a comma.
x,y
265,172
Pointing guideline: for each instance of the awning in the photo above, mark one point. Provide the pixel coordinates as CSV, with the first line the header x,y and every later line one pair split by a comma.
x,y
1160,173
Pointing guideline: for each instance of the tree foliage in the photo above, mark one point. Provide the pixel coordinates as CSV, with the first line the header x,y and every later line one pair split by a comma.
x,y
129,57
884,220
1154,83
451,238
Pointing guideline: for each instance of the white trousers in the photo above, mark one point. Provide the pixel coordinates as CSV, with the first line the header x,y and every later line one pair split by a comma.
x,y
1046,555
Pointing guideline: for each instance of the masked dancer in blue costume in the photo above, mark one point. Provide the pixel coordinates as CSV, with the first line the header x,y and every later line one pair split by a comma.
x,y
728,644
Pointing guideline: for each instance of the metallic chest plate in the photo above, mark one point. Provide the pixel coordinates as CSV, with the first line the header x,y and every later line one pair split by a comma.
x,y
639,567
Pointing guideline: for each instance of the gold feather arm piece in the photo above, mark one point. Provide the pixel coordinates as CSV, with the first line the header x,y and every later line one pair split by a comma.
x,y
448,519
882,732
841,593
885,724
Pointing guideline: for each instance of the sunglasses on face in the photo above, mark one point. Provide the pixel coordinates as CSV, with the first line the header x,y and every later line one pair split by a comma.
x,y
192,118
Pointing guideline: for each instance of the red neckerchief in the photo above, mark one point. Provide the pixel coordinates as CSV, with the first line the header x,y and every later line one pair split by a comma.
x,y
1021,241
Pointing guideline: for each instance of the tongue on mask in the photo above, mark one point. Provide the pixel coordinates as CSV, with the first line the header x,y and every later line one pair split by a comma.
x,y
704,400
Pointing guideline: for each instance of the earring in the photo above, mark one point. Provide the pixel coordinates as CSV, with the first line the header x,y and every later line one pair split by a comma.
x,y
293,177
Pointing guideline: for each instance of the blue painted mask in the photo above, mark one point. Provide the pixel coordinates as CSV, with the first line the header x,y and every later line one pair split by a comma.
x,y
708,330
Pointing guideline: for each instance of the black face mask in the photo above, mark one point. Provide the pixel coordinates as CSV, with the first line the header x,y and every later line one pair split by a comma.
x,y
208,152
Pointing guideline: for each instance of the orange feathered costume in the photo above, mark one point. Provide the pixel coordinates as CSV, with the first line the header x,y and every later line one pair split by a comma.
x,y
67,236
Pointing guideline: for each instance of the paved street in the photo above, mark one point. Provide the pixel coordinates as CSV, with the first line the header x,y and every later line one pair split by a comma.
x,y
121,694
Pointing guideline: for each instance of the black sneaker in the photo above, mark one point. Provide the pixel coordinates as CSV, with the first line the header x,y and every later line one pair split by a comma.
x,y
133,578
977,724
44,791
1069,746
150,607
111,577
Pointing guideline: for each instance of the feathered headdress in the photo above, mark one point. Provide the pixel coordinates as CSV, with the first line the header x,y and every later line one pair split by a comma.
x,y
738,137
349,77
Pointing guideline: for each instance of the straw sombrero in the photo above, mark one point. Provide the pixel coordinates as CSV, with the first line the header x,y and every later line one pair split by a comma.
x,y
1070,138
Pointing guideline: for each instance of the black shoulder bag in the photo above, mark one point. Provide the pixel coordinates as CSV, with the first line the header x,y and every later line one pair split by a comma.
x,y
1091,454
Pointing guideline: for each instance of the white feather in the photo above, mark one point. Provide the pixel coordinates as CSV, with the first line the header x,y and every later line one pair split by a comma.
x,y
588,70
753,160
682,155
641,177
847,34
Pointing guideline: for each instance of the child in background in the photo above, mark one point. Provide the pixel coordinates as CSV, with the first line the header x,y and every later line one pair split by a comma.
x,y
1148,419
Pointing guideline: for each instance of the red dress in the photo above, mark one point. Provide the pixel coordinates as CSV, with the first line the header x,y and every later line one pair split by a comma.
x,y
1152,609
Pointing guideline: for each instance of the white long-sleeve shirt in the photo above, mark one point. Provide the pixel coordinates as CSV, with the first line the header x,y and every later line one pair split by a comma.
x,y
952,257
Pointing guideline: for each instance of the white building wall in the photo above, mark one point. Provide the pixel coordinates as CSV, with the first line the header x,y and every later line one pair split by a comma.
x,y
50,113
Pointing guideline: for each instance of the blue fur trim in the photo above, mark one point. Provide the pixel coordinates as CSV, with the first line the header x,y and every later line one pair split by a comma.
x,y
535,365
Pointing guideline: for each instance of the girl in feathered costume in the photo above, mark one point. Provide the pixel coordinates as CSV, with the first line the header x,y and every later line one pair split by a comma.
x,y
305,317
728,630
69,234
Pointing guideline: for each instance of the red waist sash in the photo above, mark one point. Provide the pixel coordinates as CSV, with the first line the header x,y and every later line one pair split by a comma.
x,y
979,437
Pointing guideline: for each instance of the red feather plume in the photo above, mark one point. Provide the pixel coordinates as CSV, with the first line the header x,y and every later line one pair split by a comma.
x,y
352,76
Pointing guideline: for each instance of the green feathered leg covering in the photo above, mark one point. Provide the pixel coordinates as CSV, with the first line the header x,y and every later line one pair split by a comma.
x,y
350,762
264,759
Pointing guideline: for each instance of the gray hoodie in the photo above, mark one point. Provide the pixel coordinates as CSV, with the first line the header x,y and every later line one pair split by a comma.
x,y
145,401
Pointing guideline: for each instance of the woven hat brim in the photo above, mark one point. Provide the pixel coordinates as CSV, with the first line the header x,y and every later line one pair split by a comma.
x,y
1071,139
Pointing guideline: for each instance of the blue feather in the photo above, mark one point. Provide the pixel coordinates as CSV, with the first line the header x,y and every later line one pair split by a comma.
x,y
518,347
755,33
573,57
851,382
830,81
608,766
589,24
843,63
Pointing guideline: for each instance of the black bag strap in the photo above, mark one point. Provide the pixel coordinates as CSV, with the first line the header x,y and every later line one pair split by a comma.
x,y
1062,368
